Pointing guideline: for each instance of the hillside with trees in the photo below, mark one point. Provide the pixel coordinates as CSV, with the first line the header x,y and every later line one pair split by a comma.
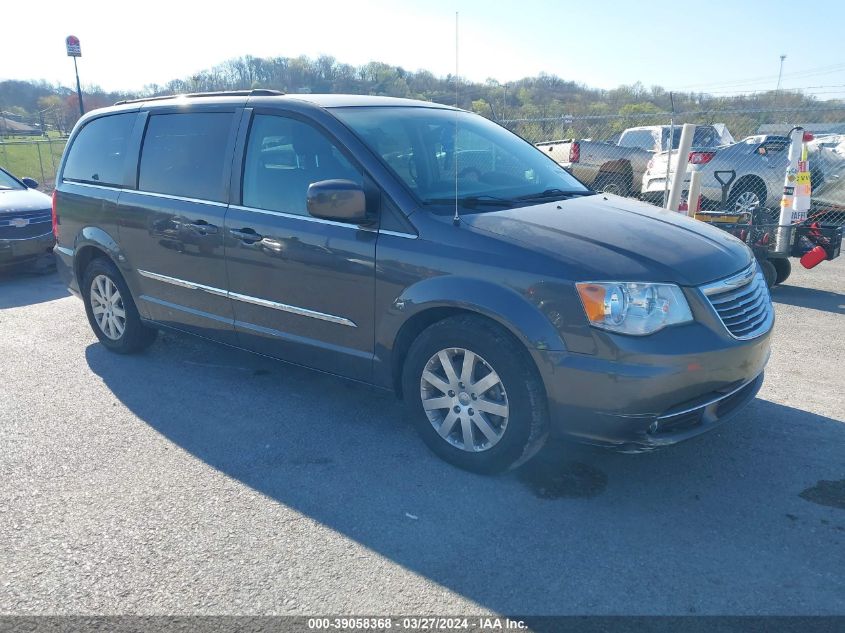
x,y
555,106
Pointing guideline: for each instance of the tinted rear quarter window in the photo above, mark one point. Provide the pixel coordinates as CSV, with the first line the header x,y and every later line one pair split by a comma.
x,y
98,153
185,154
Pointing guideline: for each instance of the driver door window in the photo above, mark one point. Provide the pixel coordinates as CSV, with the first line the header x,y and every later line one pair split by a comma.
x,y
283,157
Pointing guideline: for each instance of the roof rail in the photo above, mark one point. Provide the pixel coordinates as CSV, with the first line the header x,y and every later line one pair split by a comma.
x,y
257,92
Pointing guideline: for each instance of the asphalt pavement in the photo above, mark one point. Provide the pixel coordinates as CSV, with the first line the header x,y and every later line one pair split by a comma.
x,y
196,479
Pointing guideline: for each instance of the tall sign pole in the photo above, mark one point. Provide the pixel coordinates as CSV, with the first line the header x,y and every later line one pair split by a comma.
x,y
74,50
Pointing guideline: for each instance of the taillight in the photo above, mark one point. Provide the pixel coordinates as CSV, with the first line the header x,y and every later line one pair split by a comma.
x,y
808,136
650,164
700,158
574,152
54,217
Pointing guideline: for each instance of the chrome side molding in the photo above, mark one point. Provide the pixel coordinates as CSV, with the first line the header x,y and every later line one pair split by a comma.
x,y
265,303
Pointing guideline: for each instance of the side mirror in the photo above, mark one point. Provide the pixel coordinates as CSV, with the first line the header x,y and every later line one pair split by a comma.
x,y
30,183
340,200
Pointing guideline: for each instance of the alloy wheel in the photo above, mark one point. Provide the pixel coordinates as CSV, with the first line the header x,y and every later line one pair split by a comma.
x,y
107,307
464,399
747,201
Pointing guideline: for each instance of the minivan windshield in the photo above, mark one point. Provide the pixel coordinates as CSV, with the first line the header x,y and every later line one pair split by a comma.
x,y
436,151
8,182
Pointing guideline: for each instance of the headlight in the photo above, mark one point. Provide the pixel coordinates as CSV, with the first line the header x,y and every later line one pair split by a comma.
x,y
633,308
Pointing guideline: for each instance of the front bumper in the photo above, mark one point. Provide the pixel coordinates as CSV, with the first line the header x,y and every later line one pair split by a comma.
x,y
13,252
658,391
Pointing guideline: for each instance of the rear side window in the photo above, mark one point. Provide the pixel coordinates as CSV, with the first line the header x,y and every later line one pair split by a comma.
x,y
185,155
98,153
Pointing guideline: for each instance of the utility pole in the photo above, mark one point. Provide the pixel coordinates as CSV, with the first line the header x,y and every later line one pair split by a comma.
x,y
780,72
78,89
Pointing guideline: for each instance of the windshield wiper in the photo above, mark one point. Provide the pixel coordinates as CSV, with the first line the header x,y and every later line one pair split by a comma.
x,y
555,193
475,201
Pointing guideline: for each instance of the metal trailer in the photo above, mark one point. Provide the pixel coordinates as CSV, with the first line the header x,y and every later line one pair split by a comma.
x,y
811,240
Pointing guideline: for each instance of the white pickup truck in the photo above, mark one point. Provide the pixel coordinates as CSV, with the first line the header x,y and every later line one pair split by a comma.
x,y
618,167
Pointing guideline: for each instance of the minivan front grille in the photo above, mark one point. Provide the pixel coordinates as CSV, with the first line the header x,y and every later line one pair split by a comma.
x,y
743,303
23,225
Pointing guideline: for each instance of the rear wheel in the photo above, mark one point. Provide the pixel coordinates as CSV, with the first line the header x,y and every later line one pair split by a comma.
x,y
111,311
475,395
749,196
783,268
617,184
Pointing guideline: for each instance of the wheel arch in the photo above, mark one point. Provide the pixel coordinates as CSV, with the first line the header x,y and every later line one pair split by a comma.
x,y
93,242
620,170
616,168
445,297
750,181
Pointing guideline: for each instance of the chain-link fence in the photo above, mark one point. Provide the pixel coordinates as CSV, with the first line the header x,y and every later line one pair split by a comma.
x,y
741,154
38,159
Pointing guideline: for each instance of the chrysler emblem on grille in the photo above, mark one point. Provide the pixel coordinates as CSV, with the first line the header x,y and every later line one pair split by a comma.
x,y
19,222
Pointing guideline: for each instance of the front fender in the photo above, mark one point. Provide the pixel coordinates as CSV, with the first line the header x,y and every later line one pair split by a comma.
x,y
499,303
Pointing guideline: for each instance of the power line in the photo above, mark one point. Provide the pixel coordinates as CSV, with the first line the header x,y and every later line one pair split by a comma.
x,y
786,89
820,70
569,118
808,71
752,84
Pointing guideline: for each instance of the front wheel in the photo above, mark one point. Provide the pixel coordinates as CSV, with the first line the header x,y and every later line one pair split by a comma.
x,y
770,273
783,268
111,311
475,395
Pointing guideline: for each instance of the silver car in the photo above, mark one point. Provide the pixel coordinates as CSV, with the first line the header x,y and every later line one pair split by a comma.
x,y
753,170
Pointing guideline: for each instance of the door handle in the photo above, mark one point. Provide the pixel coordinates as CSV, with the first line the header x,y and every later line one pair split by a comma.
x,y
247,235
203,228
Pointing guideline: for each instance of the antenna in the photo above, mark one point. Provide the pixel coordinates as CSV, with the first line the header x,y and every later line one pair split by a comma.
x,y
456,220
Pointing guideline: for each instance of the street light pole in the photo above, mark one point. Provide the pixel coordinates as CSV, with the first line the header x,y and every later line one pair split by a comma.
x,y
75,50
78,89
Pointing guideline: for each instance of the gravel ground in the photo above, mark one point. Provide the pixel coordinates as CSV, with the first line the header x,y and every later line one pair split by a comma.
x,y
195,479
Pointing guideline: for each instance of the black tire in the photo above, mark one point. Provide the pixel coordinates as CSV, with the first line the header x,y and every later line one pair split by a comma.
x,y
783,268
769,272
617,184
135,336
527,423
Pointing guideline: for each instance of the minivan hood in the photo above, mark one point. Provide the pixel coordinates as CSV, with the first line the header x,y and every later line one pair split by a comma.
x,y
606,237
17,200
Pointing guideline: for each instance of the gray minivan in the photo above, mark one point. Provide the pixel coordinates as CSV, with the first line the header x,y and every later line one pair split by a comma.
x,y
418,248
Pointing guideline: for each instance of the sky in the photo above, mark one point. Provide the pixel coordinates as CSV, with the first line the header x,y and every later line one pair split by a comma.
x,y
715,46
